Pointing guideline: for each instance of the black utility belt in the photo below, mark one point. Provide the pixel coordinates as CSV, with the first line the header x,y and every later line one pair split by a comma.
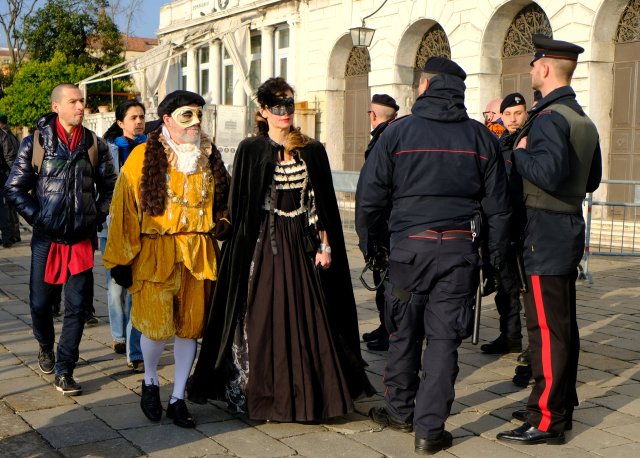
x,y
450,234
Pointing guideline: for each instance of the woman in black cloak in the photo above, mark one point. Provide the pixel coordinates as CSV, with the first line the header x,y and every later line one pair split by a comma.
x,y
282,340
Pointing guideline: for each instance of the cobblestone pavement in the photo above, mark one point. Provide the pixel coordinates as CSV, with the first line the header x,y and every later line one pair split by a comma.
x,y
36,420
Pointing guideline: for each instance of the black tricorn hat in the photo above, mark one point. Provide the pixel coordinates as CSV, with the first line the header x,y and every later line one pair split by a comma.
x,y
178,99
512,100
554,49
443,65
386,100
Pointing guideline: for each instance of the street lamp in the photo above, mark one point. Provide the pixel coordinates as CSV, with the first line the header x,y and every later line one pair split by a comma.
x,y
361,37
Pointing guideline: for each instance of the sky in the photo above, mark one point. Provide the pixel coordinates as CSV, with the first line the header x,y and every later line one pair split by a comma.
x,y
146,22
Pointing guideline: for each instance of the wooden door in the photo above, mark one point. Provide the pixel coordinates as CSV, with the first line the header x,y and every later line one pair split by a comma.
x,y
356,121
624,156
516,77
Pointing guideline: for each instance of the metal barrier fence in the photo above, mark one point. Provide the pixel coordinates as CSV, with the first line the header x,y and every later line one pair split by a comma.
x,y
612,226
345,184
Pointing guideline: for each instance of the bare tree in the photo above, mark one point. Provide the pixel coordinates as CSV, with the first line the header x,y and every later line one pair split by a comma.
x,y
11,18
124,13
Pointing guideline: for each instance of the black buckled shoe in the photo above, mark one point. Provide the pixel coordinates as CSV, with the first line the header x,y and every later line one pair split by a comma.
x,y
431,446
150,402
180,415
373,335
380,416
527,435
501,346
523,415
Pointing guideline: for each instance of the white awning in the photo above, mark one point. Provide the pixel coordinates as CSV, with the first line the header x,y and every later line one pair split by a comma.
x,y
150,69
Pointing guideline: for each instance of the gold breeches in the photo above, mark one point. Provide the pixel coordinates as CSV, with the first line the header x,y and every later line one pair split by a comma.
x,y
177,306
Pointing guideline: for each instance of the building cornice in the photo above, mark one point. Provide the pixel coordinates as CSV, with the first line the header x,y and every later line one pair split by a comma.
x,y
257,5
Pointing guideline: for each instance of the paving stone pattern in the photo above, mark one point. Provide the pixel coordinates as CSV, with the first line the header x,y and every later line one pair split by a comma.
x,y
36,420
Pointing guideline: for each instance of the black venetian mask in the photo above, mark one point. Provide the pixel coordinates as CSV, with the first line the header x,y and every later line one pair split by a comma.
x,y
280,106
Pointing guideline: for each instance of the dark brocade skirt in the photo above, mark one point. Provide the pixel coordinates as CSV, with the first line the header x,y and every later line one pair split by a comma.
x,y
294,372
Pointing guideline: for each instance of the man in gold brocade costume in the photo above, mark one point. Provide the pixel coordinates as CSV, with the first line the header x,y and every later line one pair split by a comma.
x,y
168,205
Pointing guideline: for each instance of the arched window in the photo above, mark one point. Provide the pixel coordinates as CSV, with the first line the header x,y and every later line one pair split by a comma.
x,y
434,43
629,25
529,21
359,62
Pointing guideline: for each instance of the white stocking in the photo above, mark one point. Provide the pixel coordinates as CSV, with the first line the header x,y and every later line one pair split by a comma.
x,y
151,352
184,352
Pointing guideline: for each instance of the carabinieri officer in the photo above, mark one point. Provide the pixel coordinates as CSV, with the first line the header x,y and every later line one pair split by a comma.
x,y
438,170
559,161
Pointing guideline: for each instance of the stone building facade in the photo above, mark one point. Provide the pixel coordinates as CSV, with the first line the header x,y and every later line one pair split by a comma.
x,y
224,48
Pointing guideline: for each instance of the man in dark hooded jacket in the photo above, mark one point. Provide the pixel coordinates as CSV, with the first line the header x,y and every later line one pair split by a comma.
x,y
439,171
66,199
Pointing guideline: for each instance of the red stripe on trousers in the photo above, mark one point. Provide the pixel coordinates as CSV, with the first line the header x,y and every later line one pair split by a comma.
x,y
546,354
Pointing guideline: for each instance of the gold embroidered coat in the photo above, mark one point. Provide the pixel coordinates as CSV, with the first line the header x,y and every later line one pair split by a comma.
x,y
162,249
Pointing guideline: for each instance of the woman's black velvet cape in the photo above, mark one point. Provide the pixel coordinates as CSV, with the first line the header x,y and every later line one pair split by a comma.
x,y
252,174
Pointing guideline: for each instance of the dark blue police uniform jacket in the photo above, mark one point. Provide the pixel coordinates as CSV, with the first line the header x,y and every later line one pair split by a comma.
x,y
437,168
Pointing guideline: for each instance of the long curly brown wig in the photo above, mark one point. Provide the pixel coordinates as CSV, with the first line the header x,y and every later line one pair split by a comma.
x,y
153,185
278,87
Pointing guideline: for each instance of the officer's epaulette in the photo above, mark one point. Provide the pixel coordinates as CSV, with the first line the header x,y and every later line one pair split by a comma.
x,y
398,119
548,111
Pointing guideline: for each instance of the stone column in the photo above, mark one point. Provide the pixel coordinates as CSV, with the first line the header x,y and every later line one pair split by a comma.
x,y
266,53
192,69
215,71
291,61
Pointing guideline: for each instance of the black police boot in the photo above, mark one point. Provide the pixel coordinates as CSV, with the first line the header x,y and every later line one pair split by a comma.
x,y
380,416
523,376
431,446
527,434
150,402
373,335
381,344
502,345
523,415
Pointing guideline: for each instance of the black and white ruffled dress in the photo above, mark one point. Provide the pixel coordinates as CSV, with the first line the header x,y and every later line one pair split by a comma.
x,y
286,365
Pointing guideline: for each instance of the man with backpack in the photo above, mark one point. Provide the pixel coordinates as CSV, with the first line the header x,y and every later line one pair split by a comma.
x,y
61,184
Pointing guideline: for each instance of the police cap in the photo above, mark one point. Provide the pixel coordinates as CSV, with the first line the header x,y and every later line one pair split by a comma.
x,y
178,99
443,65
386,100
554,49
512,100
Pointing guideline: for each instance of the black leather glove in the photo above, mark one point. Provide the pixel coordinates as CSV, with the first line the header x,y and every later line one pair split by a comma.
x,y
379,260
491,279
122,275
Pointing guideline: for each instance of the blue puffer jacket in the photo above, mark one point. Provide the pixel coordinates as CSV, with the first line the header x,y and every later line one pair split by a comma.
x,y
71,199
